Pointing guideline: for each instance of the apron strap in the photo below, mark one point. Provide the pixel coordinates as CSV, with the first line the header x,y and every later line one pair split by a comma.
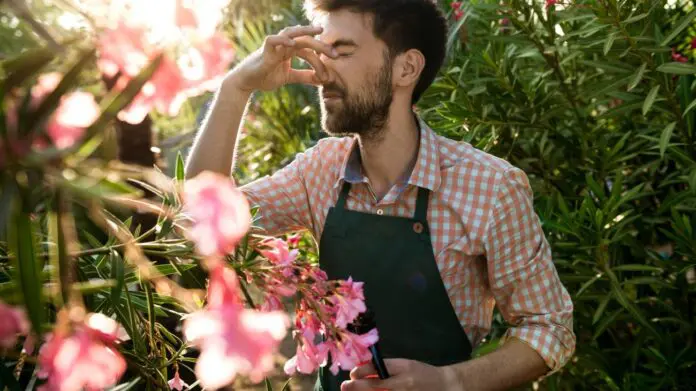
x,y
422,205
341,202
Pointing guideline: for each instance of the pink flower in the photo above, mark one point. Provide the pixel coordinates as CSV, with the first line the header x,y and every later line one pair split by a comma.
x,y
77,111
676,56
351,350
550,3
13,322
349,301
219,211
271,303
308,357
176,383
456,5
84,360
693,43
232,340
294,240
458,14
279,253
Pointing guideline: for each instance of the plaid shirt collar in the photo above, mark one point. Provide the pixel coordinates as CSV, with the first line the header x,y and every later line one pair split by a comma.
x,y
425,173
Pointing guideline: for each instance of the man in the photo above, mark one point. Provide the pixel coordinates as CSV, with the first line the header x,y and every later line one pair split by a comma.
x,y
439,232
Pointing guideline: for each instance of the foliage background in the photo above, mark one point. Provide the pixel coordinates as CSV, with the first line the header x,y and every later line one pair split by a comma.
x,y
586,97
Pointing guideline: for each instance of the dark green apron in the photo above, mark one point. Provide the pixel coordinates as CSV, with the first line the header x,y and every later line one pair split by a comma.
x,y
394,257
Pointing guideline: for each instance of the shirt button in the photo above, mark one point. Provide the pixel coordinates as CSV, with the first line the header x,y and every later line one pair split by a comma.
x,y
380,212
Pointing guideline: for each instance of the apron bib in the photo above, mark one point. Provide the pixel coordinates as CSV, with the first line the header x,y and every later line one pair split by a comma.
x,y
394,257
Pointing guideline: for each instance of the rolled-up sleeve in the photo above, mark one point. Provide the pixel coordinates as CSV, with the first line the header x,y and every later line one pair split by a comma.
x,y
282,197
522,275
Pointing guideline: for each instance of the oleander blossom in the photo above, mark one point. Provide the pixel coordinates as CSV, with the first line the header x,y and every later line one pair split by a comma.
x,y
349,302
85,359
232,339
176,383
220,214
13,322
196,56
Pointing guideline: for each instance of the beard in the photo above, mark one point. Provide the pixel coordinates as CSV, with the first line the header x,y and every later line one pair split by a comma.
x,y
363,113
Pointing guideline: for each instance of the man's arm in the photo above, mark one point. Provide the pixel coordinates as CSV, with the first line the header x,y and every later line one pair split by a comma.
x,y
268,68
216,143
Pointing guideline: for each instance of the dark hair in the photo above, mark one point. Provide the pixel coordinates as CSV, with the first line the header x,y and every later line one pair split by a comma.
x,y
401,25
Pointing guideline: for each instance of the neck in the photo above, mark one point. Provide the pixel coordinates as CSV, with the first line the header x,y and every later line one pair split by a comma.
x,y
388,158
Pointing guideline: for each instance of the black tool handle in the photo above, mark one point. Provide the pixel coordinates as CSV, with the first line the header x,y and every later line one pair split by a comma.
x,y
378,362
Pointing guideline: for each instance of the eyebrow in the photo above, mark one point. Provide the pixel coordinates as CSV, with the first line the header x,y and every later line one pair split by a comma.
x,y
343,42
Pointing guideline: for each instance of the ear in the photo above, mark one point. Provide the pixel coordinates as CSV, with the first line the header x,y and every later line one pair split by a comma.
x,y
408,67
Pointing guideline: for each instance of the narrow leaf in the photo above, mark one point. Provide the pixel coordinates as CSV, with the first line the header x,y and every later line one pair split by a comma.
x,y
677,68
609,43
638,76
625,302
650,99
117,274
683,23
22,67
22,244
286,387
179,167
665,137
637,268
267,382
689,108
601,307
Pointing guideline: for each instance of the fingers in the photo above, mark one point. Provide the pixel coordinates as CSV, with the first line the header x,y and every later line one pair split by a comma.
x,y
275,40
303,76
315,62
316,45
299,31
363,371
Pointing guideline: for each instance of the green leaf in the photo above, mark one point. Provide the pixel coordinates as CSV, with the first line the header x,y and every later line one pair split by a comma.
x,y
683,23
609,43
93,286
601,307
286,386
689,108
127,386
22,244
269,386
117,273
7,379
637,77
636,18
650,99
665,137
677,68
58,255
637,268
22,67
605,323
165,270
625,302
180,174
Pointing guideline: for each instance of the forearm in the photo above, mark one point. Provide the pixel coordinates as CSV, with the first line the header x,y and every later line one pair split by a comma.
x,y
512,365
215,144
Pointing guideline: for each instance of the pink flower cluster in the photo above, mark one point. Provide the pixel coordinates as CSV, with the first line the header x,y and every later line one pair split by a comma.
x,y
84,359
133,37
233,340
457,10
13,322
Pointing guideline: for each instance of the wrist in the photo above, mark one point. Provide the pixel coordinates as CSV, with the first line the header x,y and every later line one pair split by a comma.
x,y
233,85
452,377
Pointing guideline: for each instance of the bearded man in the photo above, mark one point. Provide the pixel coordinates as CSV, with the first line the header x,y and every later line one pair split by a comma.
x,y
439,232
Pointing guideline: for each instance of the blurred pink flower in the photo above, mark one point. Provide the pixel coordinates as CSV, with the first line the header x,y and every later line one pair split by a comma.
x,y
308,358
349,302
294,240
693,43
220,213
550,3
678,57
13,322
176,383
232,339
130,42
77,111
86,359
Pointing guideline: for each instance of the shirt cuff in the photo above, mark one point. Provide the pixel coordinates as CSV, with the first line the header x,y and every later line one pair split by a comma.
x,y
555,346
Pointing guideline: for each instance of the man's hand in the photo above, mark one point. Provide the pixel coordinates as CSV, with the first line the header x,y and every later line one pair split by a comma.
x,y
405,375
269,67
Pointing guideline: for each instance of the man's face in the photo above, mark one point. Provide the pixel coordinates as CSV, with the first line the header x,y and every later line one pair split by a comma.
x,y
358,97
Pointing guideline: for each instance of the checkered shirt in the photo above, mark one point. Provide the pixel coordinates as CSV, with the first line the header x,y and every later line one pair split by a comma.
x,y
488,241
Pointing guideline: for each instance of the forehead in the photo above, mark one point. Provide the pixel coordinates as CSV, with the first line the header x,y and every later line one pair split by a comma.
x,y
346,25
